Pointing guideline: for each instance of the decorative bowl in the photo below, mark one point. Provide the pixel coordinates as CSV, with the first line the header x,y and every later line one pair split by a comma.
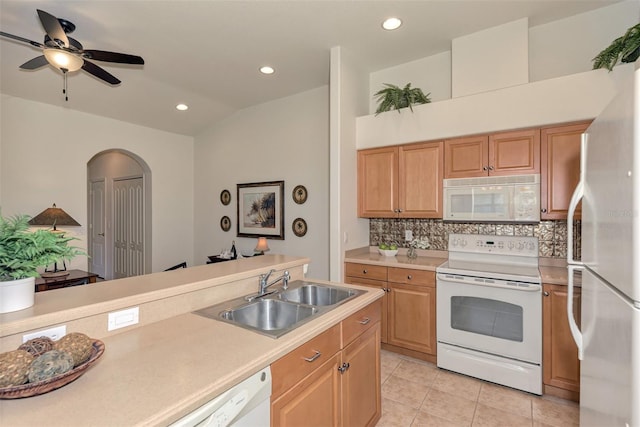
x,y
388,252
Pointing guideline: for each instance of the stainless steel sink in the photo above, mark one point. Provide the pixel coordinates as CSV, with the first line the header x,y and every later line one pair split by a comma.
x,y
316,294
282,311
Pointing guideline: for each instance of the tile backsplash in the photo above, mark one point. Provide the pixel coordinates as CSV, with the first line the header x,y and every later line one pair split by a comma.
x,y
552,235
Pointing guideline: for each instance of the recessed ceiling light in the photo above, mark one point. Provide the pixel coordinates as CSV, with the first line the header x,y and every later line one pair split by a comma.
x,y
391,23
267,70
182,107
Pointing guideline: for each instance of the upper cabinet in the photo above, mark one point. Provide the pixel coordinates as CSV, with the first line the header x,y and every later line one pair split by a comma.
x,y
401,182
560,169
504,153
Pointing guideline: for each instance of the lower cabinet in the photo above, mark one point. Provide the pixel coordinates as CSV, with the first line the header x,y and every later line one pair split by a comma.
x,y
560,364
333,379
408,308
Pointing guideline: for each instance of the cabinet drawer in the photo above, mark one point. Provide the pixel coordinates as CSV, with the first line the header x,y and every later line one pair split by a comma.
x,y
412,277
368,271
296,365
360,321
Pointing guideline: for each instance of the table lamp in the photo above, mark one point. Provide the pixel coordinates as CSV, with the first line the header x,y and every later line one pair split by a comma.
x,y
262,246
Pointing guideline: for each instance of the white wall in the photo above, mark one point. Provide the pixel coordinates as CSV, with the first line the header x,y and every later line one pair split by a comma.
x,y
286,139
567,46
44,155
348,100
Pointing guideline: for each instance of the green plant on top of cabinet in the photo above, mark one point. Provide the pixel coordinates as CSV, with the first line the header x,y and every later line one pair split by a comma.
x,y
505,153
401,181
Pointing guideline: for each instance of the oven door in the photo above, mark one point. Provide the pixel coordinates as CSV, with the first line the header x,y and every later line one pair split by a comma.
x,y
496,317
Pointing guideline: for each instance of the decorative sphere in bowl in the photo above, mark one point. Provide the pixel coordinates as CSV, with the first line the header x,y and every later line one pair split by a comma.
x,y
388,252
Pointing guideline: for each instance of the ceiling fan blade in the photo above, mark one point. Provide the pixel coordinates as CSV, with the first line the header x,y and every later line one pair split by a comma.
x,y
52,27
121,58
22,39
100,73
37,62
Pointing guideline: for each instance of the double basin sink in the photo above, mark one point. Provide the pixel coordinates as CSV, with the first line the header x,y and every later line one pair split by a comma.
x,y
282,311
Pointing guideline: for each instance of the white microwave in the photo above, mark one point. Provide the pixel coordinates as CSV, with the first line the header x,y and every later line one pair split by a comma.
x,y
498,198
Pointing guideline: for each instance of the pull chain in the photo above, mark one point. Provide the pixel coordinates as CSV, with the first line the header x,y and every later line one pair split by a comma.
x,y
64,87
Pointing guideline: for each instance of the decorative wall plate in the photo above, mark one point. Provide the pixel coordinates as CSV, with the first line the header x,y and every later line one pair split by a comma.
x,y
299,227
299,194
225,197
225,223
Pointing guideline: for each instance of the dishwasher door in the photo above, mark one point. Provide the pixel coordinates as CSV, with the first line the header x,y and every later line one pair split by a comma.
x,y
246,404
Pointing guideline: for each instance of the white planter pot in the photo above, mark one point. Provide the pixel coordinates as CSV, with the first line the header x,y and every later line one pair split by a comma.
x,y
17,294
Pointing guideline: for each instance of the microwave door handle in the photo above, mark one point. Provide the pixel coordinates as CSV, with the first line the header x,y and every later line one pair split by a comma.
x,y
578,194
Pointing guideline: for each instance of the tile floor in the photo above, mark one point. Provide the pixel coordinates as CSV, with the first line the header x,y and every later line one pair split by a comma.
x,y
417,393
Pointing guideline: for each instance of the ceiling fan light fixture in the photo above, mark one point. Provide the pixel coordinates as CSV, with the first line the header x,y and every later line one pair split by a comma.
x,y
63,60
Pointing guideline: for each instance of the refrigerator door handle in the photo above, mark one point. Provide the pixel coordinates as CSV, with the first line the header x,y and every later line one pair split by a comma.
x,y
573,326
578,194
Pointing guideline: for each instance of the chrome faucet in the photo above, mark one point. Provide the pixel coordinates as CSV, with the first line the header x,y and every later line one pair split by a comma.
x,y
264,281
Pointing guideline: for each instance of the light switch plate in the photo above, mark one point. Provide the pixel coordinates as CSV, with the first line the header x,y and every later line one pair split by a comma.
x,y
53,333
122,318
408,235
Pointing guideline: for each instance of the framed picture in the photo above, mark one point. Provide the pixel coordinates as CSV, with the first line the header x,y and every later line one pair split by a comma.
x,y
261,210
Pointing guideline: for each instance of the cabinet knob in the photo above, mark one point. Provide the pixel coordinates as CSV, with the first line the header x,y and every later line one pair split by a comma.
x,y
484,168
545,293
399,210
490,168
409,277
543,210
364,271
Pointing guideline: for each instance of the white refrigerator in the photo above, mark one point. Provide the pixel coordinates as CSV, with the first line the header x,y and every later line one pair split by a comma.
x,y
608,336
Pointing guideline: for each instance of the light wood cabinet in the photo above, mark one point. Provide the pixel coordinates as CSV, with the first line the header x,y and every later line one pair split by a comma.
x,y
401,182
505,153
560,168
412,309
408,307
560,364
333,379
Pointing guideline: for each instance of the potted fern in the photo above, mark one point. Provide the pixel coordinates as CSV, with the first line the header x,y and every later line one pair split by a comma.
x,y
22,252
393,97
622,49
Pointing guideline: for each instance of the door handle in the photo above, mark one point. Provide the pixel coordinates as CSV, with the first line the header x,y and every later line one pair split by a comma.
x,y
364,321
314,357
101,234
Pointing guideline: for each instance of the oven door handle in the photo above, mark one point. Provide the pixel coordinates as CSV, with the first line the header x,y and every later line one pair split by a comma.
x,y
530,288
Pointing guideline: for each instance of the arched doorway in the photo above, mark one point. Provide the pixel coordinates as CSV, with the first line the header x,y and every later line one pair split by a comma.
x,y
119,214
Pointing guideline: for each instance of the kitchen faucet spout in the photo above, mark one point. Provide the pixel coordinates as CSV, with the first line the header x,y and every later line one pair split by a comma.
x,y
264,281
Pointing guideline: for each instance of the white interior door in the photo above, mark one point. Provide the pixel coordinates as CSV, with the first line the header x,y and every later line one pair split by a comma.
x,y
128,226
98,245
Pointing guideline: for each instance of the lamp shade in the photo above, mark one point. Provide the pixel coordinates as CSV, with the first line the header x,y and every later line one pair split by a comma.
x,y
63,60
262,245
52,217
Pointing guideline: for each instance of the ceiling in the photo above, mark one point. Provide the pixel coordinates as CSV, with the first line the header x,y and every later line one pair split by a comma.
x,y
206,53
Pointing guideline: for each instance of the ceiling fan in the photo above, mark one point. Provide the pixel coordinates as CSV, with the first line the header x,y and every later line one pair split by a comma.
x,y
67,54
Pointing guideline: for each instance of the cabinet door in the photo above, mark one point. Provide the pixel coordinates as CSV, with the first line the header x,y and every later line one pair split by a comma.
x,y
383,301
378,183
412,314
514,153
560,364
466,157
361,400
560,169
314,401
420,180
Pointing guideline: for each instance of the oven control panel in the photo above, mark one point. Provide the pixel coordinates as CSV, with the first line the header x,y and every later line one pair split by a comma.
x,y
499,245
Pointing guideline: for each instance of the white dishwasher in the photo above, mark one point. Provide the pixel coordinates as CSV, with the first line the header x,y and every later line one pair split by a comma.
x,y
244,405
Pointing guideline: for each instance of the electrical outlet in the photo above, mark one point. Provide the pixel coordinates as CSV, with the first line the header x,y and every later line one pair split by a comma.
x,y
53,333
408,235
122,318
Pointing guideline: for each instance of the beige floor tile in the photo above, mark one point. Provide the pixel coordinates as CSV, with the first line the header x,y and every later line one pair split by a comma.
x,y
555,413
424,373
406,392
486,416
395,414
388,363
449,406
428,420
457,384
506,399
